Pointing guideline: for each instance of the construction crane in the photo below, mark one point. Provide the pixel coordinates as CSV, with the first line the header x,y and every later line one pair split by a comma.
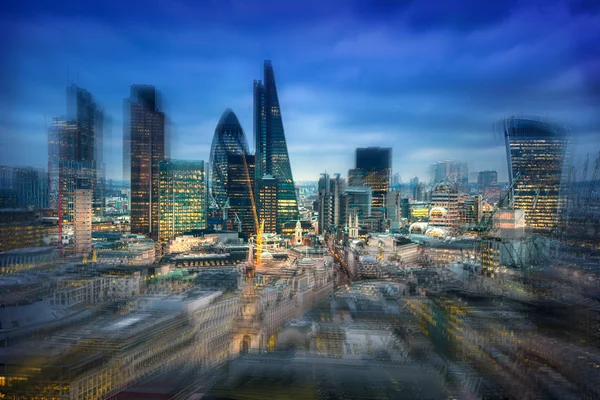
x,y
487,224
238,222
258,226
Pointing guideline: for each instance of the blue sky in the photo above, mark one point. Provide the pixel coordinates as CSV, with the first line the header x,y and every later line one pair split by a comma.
x,y
428,79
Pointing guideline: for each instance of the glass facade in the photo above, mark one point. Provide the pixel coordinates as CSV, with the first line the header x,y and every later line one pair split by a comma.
x,y
536,150
145,148
267,200
373,169
240,190
182,197
271,147
229,139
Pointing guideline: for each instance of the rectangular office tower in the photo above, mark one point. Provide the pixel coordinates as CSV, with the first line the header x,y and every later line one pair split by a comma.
x,y
144,148
89,139
240,189
329,202
267,203
271,148
83,199
182,197
536,150
373,169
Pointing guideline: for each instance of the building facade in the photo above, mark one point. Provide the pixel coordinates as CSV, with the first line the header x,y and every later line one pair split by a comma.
x,y
83,220
144,147
229,139
373,169
240,192
536,150
329,202
271,148
267,203
182,198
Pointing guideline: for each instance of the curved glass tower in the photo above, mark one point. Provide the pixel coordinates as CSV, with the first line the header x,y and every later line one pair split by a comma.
x,y
271,148
537,150
229,139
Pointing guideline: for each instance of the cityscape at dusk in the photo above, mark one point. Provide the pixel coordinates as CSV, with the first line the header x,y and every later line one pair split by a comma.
x,y
300,200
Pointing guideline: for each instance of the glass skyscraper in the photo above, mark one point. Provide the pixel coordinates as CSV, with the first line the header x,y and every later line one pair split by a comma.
x,y
373,169
536,149
271,147
182,197
144,147
240,189
229,139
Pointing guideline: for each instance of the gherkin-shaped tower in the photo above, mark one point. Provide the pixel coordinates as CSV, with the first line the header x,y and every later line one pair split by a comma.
x,y
229,139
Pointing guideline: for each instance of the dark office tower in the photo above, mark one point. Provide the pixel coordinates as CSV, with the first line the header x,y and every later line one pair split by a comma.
x,y
373,169
267,203
486,179
329,202
61,147
146,149
24,187
271,147
229,139
89,140
536,149
182,198
240,189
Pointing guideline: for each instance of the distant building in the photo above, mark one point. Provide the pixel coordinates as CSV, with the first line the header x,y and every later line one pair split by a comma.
x,y
373,169
358,199
83,219
267,203
144,148
451,171
329,202
21,228
444,206
536,150
23,187
182,197
486,179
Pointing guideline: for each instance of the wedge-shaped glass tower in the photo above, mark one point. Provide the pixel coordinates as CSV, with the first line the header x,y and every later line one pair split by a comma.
x,y
271,148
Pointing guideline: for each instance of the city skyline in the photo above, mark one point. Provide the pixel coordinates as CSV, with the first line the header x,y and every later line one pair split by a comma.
x,y
334,100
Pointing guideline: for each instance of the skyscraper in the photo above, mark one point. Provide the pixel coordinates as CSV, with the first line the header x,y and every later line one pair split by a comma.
x,y
182,197
83,217
329,197
27,186
229,139
240,190
89,139
271,147
267,203
144,146
373,169
536,149
486,179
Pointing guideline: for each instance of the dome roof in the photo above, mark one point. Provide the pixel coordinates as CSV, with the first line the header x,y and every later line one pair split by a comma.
x,y
267,256
422,226
228,121
438,210
306,261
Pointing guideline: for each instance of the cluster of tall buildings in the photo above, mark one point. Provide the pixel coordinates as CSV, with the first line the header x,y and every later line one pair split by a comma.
x,y
248,189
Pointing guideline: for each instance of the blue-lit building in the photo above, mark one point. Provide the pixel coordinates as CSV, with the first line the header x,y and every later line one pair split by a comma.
x,y
536,149
229,140
271,148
